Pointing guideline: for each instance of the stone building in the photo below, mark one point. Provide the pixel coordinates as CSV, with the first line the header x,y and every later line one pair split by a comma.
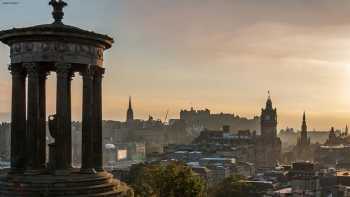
x,y
197,120
289,137
35,52
226,136
304,180
303,140
333,156
337,138
268,145
240,145
304,151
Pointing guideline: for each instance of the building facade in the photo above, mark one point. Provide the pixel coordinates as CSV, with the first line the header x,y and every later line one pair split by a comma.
x,y
304,180
303,151
268,145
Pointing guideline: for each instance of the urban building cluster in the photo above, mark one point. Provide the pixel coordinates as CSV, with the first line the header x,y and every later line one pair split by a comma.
x,y
56,156
317,164
303,163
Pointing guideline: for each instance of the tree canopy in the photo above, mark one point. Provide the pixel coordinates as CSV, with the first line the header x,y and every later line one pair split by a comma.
x,y
233,186
170,180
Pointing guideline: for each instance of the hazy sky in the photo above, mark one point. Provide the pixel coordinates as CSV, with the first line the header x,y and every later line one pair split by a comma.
x,y
218,54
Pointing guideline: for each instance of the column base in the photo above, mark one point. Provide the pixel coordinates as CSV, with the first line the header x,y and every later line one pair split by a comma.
x,y
35,172
99,169
62,172
88,171
74,185
15,171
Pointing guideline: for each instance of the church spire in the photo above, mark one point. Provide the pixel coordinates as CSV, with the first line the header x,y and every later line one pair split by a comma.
x,y
346,130
130,107
304,126
269,101
130,112
304,138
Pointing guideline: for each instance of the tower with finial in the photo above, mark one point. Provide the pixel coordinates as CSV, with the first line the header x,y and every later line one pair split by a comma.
x,y
268,145
57,12
304,140
130,112
268,119
346,130
332,137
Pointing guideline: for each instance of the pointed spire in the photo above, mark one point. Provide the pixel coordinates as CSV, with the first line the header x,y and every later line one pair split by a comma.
x,y
269,101
346,130
304,126
332,137
332,132
304,138
130,112
130,107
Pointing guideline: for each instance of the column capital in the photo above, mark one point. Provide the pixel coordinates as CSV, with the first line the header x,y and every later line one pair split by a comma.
x,y
44,74
64,69
16,69
32,68
88,72
98,71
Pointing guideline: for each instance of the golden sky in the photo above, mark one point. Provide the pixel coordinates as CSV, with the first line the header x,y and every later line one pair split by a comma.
x,y
218,54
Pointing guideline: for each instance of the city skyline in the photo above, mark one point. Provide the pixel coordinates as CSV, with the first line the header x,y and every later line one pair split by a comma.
x,y
174,55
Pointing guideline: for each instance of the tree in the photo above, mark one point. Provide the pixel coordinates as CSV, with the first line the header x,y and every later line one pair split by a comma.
x,y
171,180
233,186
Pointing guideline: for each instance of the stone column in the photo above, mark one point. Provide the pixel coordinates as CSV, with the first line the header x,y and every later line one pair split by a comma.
x,y
36,110
18,118
63,103
87,157
98,145
42,119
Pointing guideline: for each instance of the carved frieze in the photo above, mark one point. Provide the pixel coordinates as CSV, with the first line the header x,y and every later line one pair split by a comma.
x,y
50,51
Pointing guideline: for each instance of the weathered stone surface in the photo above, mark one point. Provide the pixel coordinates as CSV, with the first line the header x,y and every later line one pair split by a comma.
x,y
55,32
56,51
35,133
36,51
101,184
18,116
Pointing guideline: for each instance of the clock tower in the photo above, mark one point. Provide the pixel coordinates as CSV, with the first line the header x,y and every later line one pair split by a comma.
x,y
268,120
268,145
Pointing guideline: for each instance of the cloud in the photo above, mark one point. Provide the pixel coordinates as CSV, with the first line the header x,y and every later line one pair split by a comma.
x,y
222,54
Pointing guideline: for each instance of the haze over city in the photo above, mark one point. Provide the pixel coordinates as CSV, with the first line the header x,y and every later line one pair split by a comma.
x,y
223,55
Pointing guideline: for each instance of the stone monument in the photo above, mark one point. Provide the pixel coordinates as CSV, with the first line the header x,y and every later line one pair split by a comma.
x,y
35,52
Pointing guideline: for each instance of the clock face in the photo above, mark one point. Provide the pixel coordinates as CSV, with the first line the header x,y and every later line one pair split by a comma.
x,y
267,117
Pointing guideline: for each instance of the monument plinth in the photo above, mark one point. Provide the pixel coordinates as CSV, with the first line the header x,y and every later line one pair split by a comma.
x,y
35,53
